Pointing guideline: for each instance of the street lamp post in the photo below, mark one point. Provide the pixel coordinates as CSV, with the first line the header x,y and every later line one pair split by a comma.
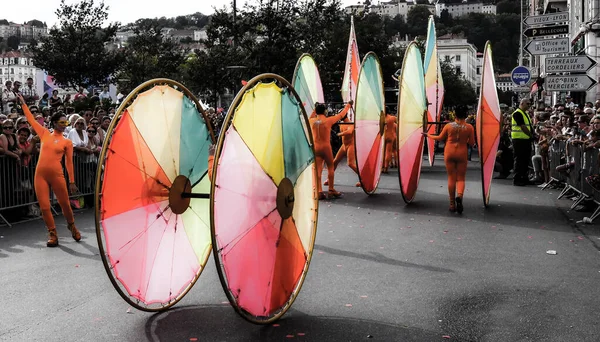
x,y
235,88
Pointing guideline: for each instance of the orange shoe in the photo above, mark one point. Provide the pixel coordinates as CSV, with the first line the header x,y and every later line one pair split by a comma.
x,y
322,196
52,238
357,184
74,232
326,182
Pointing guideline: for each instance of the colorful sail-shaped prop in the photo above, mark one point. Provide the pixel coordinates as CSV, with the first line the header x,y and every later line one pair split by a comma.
x,y
264,199
307,83
153,241
369,123
412,108
349,83
488,123
434,86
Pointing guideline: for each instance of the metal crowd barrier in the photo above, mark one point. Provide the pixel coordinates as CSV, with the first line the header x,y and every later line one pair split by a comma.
x,y
576,165
17,188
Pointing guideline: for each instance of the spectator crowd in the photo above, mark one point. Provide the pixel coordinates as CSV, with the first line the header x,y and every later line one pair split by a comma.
x,y
89,116
568,125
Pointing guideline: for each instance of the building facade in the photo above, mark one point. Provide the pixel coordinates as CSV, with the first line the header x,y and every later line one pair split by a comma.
x,y
387,8
464,8
16,66
461,54
584,34
585,37
23,31
504,82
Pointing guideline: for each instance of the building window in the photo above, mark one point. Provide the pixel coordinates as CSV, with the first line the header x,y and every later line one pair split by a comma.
x,y
457,58
478,70
458,72
12,70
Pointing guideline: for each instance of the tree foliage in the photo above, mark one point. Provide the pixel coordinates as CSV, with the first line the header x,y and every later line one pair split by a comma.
x,y
13,42
501,30
270,36
508,6
458,91
75,52
417,19
194,21
149,55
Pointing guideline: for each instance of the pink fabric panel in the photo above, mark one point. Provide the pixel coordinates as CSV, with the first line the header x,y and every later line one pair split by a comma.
x,y
250,263
244,193
175,264
488,168
150,253
410,163
490,93
365,133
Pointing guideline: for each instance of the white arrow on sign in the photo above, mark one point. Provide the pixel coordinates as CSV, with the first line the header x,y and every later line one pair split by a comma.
x,y
537,47
546,19
569,64
569,83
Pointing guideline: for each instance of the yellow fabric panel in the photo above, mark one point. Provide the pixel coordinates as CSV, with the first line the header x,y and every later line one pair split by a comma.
x,y
258,121
196,221
157,115
412,96
309,69
431,73
305,207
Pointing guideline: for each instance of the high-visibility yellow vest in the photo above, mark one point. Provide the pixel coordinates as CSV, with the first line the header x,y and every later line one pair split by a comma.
x,y
517,132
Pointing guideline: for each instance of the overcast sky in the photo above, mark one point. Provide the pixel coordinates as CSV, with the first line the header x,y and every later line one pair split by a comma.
x,y
124,11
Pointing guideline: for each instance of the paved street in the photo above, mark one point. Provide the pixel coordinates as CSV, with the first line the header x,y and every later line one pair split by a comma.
x,y
381,271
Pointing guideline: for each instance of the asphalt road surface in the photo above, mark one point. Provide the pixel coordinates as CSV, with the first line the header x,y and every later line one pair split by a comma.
x,y
381,271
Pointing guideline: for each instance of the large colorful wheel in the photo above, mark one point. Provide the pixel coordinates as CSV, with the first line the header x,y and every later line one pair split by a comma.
x,y
264,199
369,123
488,123
434,86
412,107
154,239
307,83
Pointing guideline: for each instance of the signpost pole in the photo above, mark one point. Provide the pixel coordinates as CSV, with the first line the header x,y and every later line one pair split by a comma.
x,y
521,36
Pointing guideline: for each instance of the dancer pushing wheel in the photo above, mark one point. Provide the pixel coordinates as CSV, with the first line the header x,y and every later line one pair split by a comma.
x,y
457,135
49,172
321,130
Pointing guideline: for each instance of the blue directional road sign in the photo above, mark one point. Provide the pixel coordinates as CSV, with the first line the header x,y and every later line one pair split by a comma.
x,y
520,76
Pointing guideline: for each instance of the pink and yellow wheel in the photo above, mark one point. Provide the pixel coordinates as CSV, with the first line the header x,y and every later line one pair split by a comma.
x,y
152,190
264,199
369,123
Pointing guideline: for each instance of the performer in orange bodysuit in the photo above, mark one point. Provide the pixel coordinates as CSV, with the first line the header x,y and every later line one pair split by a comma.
x,y
347,148
321,131
458,135
389,138
49,172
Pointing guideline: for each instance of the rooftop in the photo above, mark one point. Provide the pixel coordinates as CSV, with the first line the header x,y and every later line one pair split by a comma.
x,y
15,54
